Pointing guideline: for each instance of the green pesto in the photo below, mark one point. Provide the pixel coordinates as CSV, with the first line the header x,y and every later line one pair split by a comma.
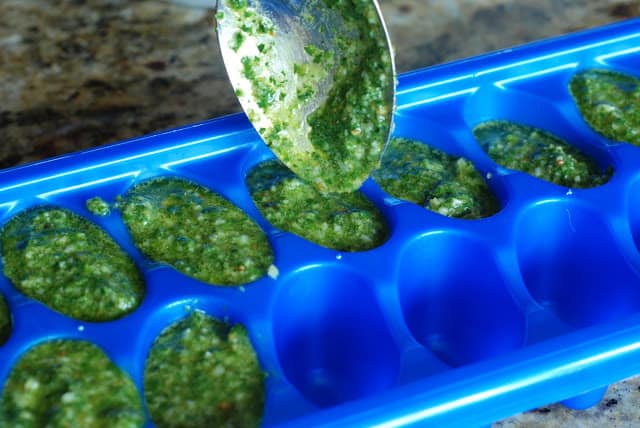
x,y
98,206
318,56
539,153
196,231
352,126
238,39
344,221
202,372
264,89
69,383
238,4
252,23
5,321
70,264
348,130
421,174
609,102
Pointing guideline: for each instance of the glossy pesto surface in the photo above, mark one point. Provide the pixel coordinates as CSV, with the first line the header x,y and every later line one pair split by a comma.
x,y
5,320
450,186
71,265
352,126
196,231
609,102
341,221
342,136
202,372
539,153
69,383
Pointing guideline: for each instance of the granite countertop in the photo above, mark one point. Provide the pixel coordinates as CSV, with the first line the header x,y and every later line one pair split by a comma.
x,y
80,73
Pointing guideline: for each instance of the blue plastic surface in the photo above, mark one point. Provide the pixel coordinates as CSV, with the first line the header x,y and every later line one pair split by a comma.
x,y
450,322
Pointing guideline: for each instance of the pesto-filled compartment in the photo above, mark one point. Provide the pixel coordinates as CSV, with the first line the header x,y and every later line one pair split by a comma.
x,y
539,153
69,383
609,102
341,221
70,264
195,230
5,320
202,372
450,186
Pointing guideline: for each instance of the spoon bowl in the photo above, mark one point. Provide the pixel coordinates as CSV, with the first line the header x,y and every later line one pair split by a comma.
x,y
317,81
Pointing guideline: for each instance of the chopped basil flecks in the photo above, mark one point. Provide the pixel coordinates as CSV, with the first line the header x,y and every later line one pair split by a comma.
x,y
69,383
196,231
421,174
70,264
341,221
609,102
203,373
539,153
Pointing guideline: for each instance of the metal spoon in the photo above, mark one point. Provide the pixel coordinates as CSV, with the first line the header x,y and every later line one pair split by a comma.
x,y
317,80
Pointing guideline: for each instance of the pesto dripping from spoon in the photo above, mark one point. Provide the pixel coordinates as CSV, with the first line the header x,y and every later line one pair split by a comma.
x,y
316,79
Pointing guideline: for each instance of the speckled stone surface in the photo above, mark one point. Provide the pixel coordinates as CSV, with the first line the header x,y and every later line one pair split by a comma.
x,y
620,408
80,73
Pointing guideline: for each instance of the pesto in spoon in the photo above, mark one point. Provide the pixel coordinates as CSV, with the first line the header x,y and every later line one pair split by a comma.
x,y
316,79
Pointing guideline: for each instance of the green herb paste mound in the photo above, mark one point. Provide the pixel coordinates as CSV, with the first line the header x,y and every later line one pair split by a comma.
x,y
69,383
196,231
421,174
98,206
341,221
5,321
609,102
202,372
352,126
539,153
70,264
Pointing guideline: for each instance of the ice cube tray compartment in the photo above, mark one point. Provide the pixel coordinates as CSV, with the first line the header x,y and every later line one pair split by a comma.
x,y
440,302
451,322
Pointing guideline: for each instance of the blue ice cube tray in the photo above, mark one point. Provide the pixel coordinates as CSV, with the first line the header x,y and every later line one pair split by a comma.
x,y
450,322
